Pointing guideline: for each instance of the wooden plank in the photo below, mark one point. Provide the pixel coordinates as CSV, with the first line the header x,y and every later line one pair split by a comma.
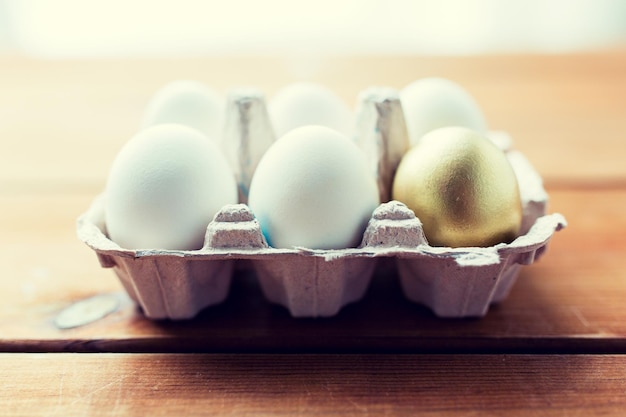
x,y
64,121
303,385
570,301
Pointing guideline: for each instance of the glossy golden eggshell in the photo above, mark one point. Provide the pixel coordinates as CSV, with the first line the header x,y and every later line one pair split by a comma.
x,y
462,188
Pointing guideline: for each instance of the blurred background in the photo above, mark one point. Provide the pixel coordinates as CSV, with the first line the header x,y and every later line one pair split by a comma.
x,y
76,75
110,28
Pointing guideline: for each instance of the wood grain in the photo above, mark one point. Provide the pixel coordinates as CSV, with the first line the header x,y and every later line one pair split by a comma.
x,y
62,122
306,385
571,300
65,120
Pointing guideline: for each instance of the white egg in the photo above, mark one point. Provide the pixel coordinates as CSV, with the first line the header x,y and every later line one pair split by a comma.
x,y
431,103
302,104
164,187
313,189
186,102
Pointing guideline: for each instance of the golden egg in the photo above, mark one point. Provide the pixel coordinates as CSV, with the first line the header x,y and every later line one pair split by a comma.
x,y
462,188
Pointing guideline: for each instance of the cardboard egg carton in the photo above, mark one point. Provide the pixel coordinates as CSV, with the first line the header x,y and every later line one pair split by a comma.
x,y
452,282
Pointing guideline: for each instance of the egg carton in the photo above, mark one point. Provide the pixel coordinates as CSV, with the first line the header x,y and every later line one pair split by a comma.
x,y
452,282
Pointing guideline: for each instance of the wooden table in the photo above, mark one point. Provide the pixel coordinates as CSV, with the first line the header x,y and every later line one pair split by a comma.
x,y
554,347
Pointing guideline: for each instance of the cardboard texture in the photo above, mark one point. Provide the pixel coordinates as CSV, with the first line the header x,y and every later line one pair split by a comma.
x,y
452,282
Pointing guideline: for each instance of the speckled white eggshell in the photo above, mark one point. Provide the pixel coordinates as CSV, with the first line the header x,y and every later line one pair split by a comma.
x,y
164,187
431,103
187,102
313,189
302,104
